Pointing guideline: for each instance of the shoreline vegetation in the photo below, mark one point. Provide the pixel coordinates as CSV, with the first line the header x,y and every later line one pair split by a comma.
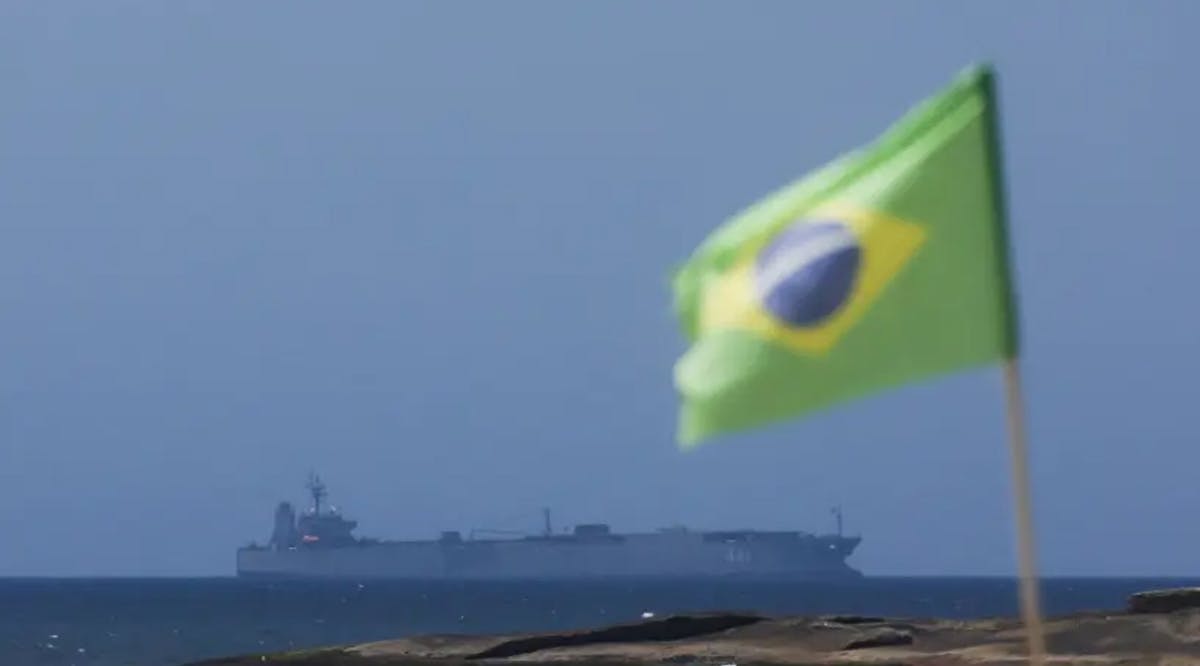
x,y
1160,627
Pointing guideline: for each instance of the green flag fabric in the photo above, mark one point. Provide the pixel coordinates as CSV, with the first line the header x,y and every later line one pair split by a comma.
x,y
885,266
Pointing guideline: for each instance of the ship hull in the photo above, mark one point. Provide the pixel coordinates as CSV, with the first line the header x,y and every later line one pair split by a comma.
x,y
686,554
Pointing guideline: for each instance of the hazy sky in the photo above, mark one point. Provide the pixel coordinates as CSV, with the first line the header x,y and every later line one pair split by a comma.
x,y
424,248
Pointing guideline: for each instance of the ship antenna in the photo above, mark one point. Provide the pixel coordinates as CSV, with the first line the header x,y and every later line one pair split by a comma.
x,y
317,489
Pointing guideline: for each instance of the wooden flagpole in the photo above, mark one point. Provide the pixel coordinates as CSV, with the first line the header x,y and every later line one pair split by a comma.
x,y
1030,597
1031,606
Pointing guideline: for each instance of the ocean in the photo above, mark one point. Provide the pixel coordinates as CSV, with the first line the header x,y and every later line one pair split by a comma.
x,y
167,622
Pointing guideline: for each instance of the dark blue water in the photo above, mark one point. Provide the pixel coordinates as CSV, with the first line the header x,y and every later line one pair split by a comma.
x,y
168,622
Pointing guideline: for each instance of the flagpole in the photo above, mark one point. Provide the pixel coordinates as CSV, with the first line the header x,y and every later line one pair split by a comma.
x,y
1031,613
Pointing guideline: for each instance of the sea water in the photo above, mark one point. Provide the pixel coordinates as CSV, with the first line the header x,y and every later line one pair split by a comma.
x,y
152,622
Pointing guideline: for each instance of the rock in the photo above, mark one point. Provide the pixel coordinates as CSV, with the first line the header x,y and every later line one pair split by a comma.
x,y
880,638
851,619
667,629
1083,639
1165,601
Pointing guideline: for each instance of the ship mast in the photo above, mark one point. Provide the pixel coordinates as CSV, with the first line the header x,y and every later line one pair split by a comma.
x,y
837,516
547,530
317,489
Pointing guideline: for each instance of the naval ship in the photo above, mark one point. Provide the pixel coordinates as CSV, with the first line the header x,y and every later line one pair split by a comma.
x,y
320,543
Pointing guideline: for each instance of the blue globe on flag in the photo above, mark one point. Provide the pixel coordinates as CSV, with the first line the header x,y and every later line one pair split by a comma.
x,y
807,272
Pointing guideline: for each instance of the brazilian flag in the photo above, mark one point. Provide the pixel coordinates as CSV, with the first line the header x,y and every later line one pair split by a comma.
x,y
886,265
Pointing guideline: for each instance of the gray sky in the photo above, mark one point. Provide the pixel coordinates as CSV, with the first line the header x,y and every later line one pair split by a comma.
x,y
423,248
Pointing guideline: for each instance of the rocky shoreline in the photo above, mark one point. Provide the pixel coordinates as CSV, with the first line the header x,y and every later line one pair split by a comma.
x,y
1160,627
